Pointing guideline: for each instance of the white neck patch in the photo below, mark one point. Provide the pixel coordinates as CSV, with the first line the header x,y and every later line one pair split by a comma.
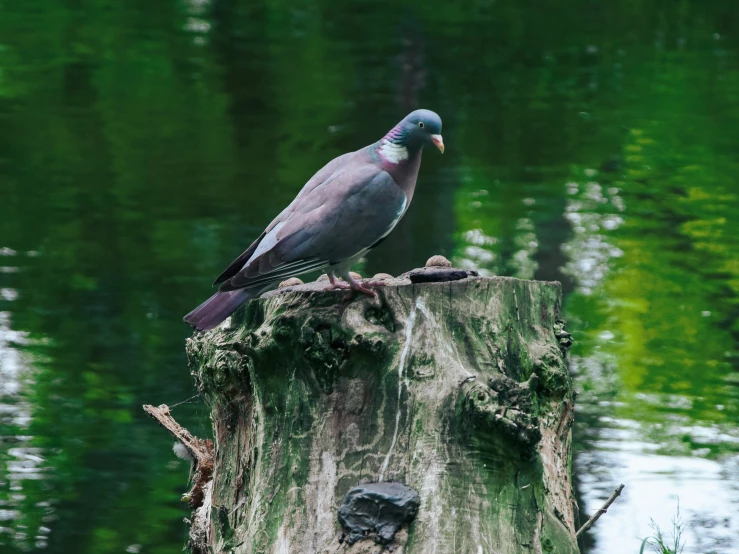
x,y
392,152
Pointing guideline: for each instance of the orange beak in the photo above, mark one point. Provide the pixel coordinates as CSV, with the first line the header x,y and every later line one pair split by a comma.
x,y
439,142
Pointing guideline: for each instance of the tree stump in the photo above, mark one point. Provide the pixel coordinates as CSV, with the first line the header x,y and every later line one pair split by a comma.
x,y
454,393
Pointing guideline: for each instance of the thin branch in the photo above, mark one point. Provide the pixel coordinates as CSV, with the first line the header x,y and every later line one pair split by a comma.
x,y
199,449
201,494
589,523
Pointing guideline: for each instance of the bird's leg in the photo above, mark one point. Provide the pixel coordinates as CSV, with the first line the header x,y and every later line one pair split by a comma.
x,y
334,284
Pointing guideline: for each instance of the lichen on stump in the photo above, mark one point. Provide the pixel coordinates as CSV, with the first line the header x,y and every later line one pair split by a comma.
x,y
457,389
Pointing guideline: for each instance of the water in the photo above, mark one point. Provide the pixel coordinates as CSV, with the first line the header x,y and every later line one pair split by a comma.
x,y
144,144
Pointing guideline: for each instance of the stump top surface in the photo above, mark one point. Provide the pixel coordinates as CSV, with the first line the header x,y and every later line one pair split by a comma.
x,y
429,276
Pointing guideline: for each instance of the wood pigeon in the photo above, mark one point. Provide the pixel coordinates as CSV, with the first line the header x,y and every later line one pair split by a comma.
x,y
346,209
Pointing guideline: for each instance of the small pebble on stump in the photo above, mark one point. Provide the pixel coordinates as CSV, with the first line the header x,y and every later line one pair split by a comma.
x,y
323,277
354,275
383,277
291,282
438,261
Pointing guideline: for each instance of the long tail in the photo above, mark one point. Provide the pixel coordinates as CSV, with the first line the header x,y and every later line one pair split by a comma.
x,y
217,308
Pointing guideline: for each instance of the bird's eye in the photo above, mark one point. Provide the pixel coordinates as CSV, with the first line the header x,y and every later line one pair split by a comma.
x,y
420,124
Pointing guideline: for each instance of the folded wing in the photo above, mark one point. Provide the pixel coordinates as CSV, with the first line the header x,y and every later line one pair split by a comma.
x,y
335,220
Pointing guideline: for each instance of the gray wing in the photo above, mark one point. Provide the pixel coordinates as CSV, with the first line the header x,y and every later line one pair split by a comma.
x,y
321,176
334,221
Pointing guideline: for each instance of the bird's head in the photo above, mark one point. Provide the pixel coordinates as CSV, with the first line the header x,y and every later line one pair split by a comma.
x,y
418,128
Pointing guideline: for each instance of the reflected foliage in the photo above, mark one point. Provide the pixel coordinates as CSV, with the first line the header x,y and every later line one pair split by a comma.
x,y
145,144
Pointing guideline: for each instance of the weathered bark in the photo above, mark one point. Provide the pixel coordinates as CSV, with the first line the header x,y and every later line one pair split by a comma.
x,y
459,390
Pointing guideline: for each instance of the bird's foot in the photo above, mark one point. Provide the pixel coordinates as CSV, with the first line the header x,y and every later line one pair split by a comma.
x,y
353,285
358,286
338,286
335,284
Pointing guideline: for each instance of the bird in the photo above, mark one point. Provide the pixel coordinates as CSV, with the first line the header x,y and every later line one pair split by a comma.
x,y
347,208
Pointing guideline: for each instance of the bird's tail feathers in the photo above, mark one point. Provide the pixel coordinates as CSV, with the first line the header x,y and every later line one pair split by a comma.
x,y
217,308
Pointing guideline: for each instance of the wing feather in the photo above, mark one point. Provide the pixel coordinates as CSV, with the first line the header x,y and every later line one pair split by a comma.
x,y
238,264
280,272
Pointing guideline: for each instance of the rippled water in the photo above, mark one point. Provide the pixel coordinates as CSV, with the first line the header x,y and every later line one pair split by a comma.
x,y
144,144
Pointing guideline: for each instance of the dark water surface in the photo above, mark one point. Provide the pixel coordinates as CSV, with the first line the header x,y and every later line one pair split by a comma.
x,y
144,144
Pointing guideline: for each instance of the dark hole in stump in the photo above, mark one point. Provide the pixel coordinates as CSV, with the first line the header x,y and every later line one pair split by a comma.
x,y
381,508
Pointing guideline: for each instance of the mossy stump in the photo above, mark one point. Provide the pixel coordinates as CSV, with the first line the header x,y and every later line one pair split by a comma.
x,y
457,389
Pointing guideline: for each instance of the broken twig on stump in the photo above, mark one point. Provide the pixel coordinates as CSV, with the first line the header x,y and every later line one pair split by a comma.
x,y
200,450
201,495
589,523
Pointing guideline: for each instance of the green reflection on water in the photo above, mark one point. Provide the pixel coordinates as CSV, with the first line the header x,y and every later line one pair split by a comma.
x,y
144,144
